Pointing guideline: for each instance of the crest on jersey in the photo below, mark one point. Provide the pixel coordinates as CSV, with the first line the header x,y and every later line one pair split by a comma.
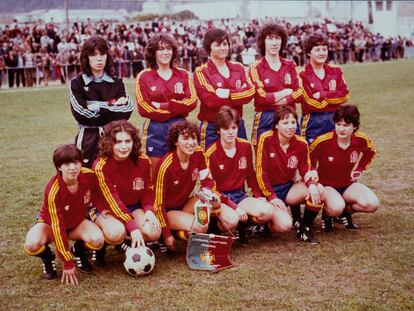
x,y
332,85
238,84
292,162
194,175
353,157
266,81
138,184
288,78
87,197
153,88
221,166
179,88
242,163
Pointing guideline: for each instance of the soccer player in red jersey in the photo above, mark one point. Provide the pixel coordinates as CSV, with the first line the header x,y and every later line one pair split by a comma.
x,y
165,94
230,160
64,215
220,82
97,97
340,157
176,176
281,156
323,90
274,77
126,174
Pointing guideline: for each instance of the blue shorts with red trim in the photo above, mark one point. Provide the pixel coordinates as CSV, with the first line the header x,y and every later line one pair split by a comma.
x,y
208,133
236,195
282,190
155,136
314,124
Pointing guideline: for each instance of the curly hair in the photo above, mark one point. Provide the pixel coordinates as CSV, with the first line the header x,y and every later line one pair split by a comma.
x,y
282,113
349,113
159,42
66,154
314,40
215,35
108,139
225,116
181,128
89,48
268,30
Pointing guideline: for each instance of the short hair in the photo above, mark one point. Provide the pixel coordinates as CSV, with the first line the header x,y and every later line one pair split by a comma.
x,y
215,35
225,116
282,113
271,29
158,42
108,139
68,153
88,49
314,40
349,113
181,128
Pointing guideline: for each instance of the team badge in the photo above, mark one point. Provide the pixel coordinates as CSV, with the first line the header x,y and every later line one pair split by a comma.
x,y
194,175
138,184
292,162
179,88
238,84
353,158
330,159
266,81
176,182
207,257
86,88
288,78
242,163
153,88
219,84
221,166
87,197
332,85
66,207
272,154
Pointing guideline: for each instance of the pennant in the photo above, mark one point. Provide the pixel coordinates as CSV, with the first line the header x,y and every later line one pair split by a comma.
x,y
202,213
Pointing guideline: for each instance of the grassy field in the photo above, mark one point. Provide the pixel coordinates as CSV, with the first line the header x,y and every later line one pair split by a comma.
x,y
368,269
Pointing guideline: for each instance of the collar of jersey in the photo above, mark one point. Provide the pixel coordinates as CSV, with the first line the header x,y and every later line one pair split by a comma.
x,y
88,79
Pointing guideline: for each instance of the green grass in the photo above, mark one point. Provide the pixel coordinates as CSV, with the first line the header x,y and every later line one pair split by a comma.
x,y
368,269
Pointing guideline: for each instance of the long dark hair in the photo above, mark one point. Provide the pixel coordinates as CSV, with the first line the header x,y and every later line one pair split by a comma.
x,y
88,49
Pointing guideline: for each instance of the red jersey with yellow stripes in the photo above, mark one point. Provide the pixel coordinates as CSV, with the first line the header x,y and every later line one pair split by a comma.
x,y
268,81
176,96
334,164
64,211
232,173
208,79
129,183
332,88
274,166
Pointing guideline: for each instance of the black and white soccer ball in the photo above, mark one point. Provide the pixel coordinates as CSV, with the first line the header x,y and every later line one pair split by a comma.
x,y
139,261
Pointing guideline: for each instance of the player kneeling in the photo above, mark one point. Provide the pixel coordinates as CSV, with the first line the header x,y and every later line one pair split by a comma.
x,y
176,176
231,163
280,156
63,217
340,157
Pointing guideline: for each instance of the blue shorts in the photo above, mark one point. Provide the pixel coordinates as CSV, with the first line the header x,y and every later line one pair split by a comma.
x,y
341,190
282,190
155,136
94,213
314,124
263,122
208,133
236,195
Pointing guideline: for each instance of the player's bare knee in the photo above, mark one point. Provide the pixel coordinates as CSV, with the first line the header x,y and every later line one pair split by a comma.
x,y
284,223
151,235
200,229
32,246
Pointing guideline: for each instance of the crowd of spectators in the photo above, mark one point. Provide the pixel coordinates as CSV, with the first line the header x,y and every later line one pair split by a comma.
x,y
36,53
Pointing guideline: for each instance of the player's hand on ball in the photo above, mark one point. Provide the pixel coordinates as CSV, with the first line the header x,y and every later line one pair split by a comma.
x,y
279,204
313,194
170,243
137,239
242,214
69,276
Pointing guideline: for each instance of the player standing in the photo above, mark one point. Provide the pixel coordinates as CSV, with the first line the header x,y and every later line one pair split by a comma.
x,y
165,94
220,82
97,97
